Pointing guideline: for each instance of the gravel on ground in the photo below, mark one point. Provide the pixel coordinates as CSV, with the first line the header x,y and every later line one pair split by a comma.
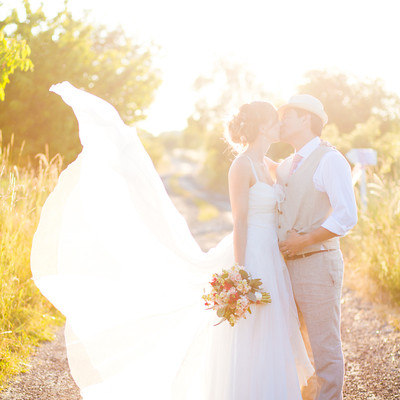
x,y
371,347
48,378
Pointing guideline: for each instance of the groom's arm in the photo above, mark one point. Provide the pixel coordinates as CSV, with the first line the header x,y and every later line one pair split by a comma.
x,y
296,242
333,176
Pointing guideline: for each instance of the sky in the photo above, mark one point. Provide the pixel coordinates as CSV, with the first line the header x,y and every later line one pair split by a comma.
x,y
280,40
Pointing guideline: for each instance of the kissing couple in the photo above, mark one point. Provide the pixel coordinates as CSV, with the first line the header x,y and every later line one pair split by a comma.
x,y
113,254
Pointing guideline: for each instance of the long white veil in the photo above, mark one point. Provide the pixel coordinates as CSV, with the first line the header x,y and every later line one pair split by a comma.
x,y
113,254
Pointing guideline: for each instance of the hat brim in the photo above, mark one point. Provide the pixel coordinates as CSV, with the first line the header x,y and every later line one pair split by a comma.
x,y
308,107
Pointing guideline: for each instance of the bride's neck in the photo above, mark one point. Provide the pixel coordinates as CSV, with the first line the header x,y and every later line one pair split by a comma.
x,y
258,149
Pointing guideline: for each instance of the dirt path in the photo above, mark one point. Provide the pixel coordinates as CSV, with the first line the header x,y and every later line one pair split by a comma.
x,y
48,378
371,345
371,348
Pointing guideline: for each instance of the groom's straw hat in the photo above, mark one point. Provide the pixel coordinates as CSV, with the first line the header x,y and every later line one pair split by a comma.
x,y
308,103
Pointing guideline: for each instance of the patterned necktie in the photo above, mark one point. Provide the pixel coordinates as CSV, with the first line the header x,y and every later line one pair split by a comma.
x,y
295,162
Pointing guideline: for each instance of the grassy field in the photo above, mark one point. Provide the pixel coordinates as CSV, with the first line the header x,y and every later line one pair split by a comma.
x,y
372,249
26,317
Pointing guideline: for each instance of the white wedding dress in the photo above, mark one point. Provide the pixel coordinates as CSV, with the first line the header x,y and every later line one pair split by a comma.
x,y
113,254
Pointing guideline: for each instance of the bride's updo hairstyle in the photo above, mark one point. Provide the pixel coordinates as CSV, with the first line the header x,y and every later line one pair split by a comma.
x,y
242,125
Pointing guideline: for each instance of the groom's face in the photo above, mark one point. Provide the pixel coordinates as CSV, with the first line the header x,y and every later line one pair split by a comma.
x,y
292,125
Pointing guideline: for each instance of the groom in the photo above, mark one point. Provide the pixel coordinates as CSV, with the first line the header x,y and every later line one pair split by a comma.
x,y
319,208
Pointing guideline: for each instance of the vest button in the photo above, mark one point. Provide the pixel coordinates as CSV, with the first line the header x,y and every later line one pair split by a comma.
x,y
286,184
279,227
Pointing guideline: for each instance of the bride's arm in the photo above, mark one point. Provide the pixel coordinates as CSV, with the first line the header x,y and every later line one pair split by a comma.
x,y
239,183
272,166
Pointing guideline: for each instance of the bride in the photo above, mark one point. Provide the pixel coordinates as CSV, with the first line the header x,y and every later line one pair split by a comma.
x,y
113,254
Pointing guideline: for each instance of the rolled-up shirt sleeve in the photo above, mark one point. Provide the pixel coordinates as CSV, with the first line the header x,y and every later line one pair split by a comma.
x,y
333,176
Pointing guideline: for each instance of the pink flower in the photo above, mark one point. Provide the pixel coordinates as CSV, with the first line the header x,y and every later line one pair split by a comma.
x,y
232,290
245,302
235,276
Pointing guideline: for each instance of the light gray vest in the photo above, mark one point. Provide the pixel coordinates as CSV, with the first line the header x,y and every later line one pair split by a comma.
x,y
305,208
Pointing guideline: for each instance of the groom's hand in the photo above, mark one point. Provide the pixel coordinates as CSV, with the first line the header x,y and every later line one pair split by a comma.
x,y
294,244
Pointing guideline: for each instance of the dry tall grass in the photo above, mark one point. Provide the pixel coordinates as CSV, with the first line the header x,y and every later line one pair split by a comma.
x,y
26,317
373,247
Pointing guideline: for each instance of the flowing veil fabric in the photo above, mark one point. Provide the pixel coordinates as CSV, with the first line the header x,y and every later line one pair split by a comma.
x,y
113,254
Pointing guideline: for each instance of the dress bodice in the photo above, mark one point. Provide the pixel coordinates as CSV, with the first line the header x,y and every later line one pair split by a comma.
x,y
262,204
263,199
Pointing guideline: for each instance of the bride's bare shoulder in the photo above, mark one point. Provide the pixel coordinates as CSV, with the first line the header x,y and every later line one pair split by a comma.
x,y
240,168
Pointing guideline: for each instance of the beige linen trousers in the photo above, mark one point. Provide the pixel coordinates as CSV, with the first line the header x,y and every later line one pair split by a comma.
x,y
316,279
317,285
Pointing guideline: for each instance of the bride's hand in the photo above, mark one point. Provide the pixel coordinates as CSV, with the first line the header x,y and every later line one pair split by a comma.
x,y
327,144
294,244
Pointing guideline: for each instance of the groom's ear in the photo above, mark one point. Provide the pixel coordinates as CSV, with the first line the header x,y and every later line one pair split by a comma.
x,y
306,119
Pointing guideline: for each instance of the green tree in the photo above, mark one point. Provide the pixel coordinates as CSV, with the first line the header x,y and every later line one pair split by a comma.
x,y
13,54
107,63
349,100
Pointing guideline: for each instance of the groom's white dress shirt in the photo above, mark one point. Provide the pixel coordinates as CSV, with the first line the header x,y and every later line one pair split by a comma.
x,y
333,176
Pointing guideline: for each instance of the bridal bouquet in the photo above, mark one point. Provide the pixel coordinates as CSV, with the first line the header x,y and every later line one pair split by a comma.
x,y
232,293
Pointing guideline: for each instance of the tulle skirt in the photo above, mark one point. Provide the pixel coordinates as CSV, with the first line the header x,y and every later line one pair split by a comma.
x,y
117,259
